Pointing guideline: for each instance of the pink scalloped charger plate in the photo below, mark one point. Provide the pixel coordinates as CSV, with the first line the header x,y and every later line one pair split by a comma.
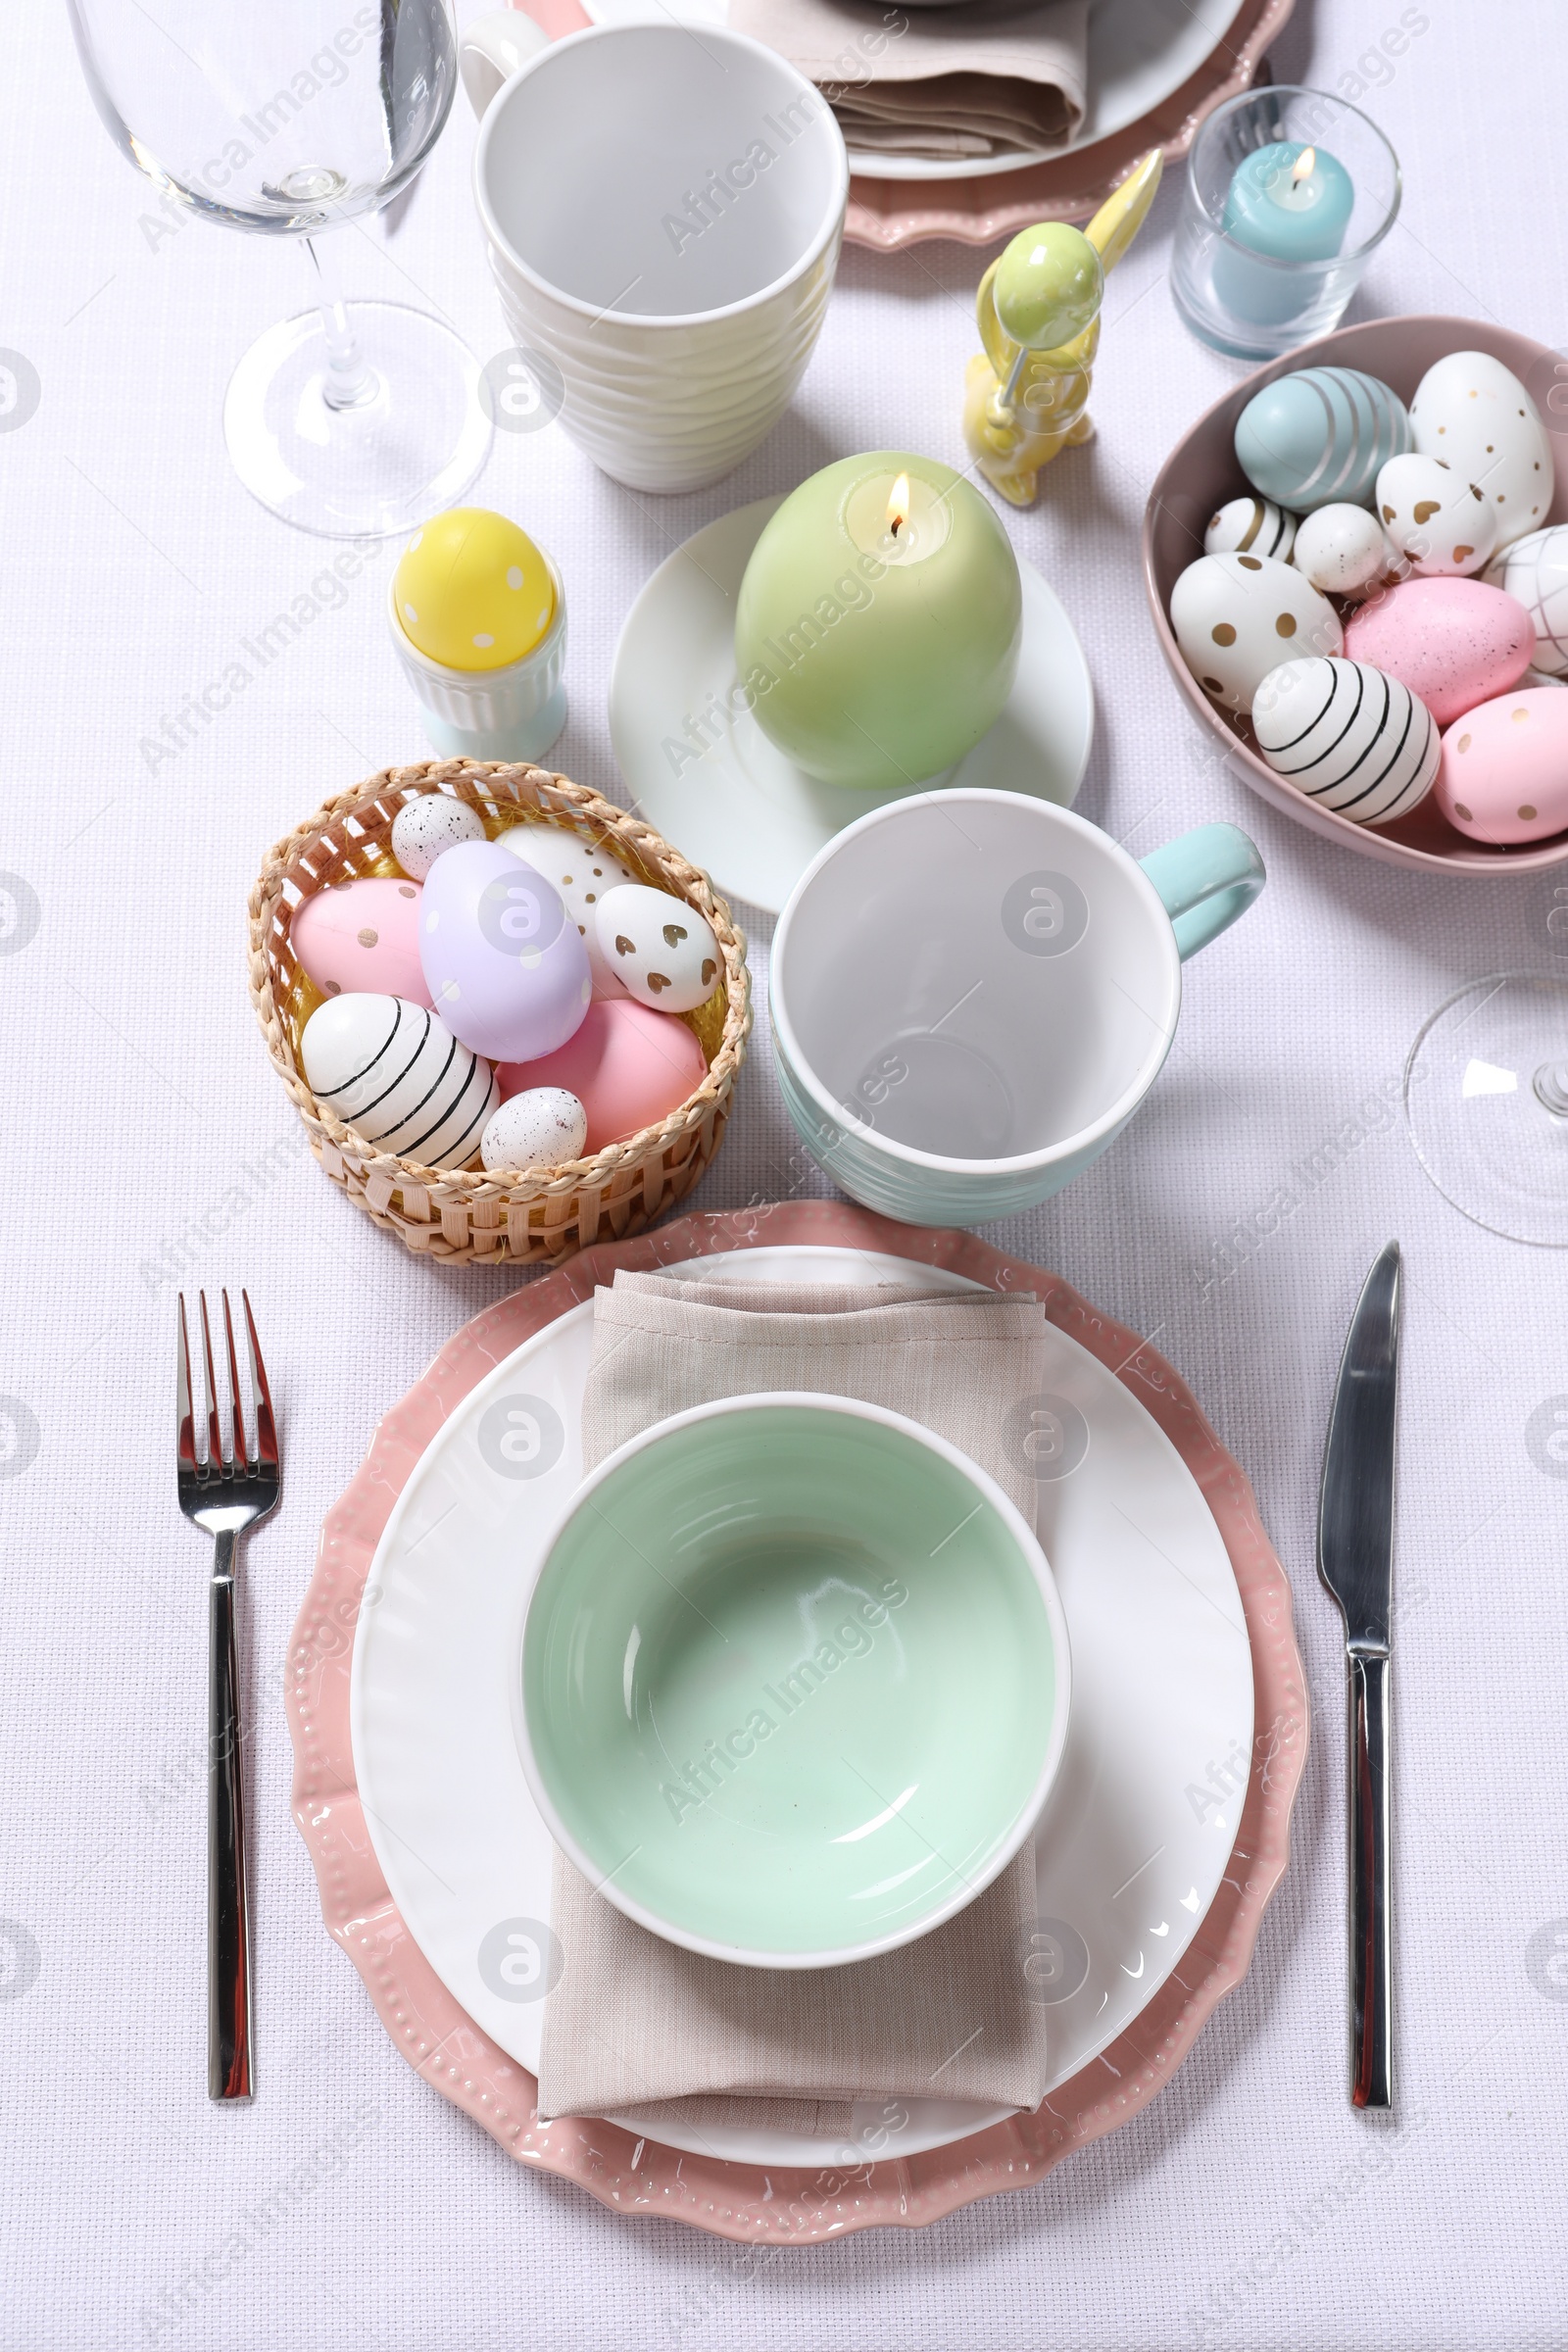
x,y
636,2175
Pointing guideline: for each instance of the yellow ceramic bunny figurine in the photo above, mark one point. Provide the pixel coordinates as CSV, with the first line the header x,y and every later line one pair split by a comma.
x,y
1026,394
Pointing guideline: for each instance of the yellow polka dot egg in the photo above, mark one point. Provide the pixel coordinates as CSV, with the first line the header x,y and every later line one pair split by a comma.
x,y
472,591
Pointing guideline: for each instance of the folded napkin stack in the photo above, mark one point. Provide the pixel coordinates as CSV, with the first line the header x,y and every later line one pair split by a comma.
x,y
637,2023
993,77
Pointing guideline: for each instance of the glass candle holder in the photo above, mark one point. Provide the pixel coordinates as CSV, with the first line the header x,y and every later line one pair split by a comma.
x,y
1267,256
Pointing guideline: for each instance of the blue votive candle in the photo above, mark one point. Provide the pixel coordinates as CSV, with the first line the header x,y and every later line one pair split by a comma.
x,y
1289,204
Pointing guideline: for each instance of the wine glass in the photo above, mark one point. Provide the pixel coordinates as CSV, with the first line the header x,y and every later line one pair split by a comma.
x,y
1486,1099
286,118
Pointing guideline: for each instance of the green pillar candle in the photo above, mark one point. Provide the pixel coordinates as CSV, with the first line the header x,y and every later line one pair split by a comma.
x,y
878,623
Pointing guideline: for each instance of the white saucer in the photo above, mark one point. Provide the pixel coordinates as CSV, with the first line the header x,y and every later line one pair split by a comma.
x,y
1132,1849
1140,54
741,809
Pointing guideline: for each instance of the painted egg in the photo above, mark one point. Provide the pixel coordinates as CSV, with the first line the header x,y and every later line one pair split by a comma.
x,y
472,591
394,1074
539,1129
582,874
663,949
425,827
1504,773
1437,519
1348,736
1453,642
362,938
1472,411
1535,569
1340,549
506,968
1236,616
1250,526
628,1069
1542,677
1319,437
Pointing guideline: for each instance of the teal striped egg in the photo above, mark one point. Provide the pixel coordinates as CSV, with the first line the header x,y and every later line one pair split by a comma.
x,y
1319,436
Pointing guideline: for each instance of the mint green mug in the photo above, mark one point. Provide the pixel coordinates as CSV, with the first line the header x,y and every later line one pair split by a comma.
x,y
972,991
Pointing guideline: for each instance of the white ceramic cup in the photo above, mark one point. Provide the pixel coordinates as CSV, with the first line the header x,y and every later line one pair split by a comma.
x,y
973,991
664,209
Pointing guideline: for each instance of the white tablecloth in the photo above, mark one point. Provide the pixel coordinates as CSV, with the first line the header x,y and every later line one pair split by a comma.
x,y
149,1143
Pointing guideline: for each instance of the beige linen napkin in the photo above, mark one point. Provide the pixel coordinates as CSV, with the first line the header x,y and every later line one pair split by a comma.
x,y
636,2021
985,79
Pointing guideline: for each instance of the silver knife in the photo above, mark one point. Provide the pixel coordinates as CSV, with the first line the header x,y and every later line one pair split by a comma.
x,y
1355,1561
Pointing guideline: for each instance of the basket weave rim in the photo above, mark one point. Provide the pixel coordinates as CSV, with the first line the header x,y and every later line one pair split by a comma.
x,y
578,805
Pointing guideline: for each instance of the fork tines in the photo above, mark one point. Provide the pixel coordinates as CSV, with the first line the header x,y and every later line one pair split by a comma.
x,y
211,1461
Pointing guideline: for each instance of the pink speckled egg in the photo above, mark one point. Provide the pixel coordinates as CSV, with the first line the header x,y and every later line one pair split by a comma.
x,y
1454,643
362,939
508,971
629,1068
1504,773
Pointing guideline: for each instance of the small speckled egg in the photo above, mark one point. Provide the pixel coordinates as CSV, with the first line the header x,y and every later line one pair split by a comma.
x,y
1474,412
582,871
1348,736
1250,526
1437,519
425,827
1504,773
1453,642
1535,569
472,591
1317,437
628,1069
1340,549
1542,677
394,1074
663,949
1236,616
362,938
507,971
539,1129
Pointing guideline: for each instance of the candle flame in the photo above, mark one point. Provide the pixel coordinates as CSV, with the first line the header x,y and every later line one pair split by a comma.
x,y
899,505
1305,166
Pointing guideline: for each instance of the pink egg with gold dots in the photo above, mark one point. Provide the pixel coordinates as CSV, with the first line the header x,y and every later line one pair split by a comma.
x,y
362,939
1504,773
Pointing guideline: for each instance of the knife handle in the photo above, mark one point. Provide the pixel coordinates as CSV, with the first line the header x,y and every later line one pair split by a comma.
x,y
1371,1884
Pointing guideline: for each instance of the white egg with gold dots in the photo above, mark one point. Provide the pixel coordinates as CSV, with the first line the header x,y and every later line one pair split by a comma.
x,y
1236,618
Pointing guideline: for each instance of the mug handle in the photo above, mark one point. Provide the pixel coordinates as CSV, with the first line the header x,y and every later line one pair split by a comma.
x,y
493,48
1205,879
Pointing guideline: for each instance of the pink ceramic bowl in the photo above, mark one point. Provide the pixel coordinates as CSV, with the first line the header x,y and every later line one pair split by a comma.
x,y
1202,473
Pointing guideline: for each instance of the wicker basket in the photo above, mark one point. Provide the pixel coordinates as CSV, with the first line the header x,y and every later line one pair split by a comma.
x,y
465,1214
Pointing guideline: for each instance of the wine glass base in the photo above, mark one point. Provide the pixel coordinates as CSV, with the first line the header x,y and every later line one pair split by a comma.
x,y
383,466
1480,1089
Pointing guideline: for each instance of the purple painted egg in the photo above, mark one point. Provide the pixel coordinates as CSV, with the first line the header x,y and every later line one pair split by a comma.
x,y
1454,643
507,970
362,939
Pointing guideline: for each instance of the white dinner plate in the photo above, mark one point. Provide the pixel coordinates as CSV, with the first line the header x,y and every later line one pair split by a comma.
x,y
731,798
1139,1829
1140,52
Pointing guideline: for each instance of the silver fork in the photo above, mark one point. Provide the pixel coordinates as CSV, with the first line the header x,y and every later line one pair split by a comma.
x,y
225,1493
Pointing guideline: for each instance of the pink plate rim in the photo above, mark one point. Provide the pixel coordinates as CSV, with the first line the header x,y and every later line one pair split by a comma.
x,y
444,2045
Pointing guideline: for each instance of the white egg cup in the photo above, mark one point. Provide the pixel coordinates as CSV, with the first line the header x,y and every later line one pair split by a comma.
x,y
514,713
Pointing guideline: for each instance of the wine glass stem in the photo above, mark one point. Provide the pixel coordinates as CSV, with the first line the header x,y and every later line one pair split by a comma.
x,y
350,381
1551,1086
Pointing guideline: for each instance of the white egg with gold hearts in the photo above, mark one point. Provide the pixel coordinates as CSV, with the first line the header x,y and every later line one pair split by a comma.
x,y
661,949
1436,519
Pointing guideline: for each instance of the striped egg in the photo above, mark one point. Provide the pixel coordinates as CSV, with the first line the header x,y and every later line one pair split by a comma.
x,y
1319,436
397,1076
1250,526
1535,569
1348,735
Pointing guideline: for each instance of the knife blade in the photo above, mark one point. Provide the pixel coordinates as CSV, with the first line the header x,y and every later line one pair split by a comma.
x,y
1355,1562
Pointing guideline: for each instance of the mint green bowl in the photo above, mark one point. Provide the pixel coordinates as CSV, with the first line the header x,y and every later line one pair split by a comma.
x,y
794,1680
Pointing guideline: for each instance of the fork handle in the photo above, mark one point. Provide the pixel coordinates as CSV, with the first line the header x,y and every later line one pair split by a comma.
x,y
228,1937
